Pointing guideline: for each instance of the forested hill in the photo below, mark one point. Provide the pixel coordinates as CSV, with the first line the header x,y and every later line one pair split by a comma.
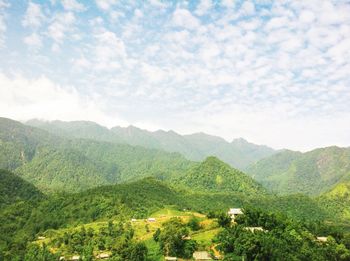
x,y
14,189
311,173
239,153
55,163
213,175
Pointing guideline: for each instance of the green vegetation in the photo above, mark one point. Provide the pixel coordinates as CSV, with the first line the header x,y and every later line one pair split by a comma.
x,y
239,153
56,164
265,236
105,191
310,173
14,189
216,176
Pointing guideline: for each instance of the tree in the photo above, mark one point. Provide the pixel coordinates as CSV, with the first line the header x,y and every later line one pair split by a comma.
x,y
193,223
224,220
172,239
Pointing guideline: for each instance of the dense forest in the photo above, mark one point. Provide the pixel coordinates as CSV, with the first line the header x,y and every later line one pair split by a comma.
x,y
68,196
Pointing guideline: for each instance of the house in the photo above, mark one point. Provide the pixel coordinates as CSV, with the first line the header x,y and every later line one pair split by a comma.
x,y
170,258
133,220
102,256
75,258
253,229
234,212
322,239
41,238
201,256
151,219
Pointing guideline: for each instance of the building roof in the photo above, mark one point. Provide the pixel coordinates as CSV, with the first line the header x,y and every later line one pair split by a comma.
x,y
103,255
201,255
170,258
235,211
322,239
252,229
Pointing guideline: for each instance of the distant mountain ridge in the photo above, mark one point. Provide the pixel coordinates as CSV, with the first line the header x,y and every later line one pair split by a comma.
x,y
312,173
239,153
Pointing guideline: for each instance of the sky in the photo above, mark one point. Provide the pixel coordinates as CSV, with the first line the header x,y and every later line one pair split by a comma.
x,y
273,72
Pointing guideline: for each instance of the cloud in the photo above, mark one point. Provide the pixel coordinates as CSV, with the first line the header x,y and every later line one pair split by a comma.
x,y
203,7
3,29
34,16
105,4
62,23
73,5
51,101
184,18
33,41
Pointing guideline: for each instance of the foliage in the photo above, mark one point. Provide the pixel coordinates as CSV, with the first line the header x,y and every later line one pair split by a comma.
x,y
310,173
216,176
14,189
280,239
173,239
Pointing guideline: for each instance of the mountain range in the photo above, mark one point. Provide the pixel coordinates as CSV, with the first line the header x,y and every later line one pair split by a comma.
x,y
239,153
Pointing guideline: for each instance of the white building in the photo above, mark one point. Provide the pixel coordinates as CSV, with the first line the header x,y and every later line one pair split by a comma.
x,y
234,212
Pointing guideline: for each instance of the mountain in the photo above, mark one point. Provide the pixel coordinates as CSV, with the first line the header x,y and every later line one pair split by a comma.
x,y
13,189
55,163
216,176
239,153
311,173
76,129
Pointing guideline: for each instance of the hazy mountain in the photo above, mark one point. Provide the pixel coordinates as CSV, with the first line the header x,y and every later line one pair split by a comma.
x,y
239,153
310,173
216,176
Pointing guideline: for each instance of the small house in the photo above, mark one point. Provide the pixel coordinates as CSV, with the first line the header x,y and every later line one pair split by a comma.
x,y
234,212
102,256
41,238
133,220
151,220
253,229
201,256
170,258
322,239
75,258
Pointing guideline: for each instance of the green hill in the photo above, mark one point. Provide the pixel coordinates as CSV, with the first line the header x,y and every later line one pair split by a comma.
x,y
14,189
239,153
56,163
310,173
216,176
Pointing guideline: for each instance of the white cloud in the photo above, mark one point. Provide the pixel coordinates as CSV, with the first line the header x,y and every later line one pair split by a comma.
x,y
105,4
62,23
184,18
51,101
247,8
73,5
203,7
33,40
3,29
34,16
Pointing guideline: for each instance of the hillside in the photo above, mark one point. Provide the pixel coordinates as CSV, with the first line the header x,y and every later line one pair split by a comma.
x,y
56,163
239,153
14,189
311,173
216,176
337,200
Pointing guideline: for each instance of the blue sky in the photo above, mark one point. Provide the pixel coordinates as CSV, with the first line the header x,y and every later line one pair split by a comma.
x,y
273,72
